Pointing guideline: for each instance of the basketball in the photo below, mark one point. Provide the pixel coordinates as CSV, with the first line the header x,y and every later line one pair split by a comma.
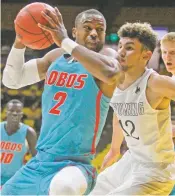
x,y
26,26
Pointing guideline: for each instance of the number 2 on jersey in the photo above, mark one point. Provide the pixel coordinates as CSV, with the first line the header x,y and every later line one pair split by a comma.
x,y
60,97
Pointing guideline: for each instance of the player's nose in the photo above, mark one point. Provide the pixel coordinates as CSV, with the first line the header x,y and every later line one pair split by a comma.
x,y
14,113
121,52
93,33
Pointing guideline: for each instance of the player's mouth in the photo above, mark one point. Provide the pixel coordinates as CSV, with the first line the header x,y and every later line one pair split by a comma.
x,y
169,64
94,43
15,118
122,61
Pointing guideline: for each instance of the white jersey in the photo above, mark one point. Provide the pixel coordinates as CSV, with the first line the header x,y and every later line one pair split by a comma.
x,y
148,132
173,77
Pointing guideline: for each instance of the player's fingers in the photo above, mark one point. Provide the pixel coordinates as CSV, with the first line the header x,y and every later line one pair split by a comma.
x,y
103,165
52,15
49,19
59,15
45,28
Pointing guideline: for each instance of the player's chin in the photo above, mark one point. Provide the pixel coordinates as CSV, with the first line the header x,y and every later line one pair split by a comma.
x,y
94,47
170,68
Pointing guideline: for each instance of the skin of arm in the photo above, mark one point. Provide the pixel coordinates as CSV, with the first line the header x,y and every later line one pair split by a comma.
x,y
117,139
31,139
164,86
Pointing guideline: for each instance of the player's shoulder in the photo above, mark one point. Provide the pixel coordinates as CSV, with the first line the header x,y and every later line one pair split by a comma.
x,y
30,129
31,132
2,123
157,81
54,54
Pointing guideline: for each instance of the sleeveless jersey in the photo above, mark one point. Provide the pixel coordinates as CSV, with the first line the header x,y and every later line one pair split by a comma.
x,y
13,150
147,131
74,111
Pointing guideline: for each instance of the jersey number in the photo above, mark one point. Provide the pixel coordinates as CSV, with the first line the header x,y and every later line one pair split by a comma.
x,y
6,157
60,97
130,128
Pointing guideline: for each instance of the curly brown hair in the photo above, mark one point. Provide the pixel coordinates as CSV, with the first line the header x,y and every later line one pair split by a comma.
x,y
142,31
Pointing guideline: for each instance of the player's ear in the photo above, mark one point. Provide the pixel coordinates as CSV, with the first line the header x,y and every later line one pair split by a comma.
x,y
74,32
147,55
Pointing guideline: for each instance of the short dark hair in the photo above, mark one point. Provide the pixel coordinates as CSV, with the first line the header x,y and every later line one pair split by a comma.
x,y
142,31
87,13
15,101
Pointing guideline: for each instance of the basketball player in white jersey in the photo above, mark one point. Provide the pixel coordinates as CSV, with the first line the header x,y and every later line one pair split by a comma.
x,y
168,56
142,113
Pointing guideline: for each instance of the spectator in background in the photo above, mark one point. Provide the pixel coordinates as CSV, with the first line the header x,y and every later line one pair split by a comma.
x,y
13,136
33,115
168,56
4,95
33,97
156,61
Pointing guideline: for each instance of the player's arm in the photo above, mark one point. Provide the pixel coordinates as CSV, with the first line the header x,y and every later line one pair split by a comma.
x,y
31,139
117,139
18,73
104,68
163,86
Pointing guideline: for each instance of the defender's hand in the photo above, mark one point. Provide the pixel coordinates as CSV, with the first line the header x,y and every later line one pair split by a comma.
x,y
56,26
110,158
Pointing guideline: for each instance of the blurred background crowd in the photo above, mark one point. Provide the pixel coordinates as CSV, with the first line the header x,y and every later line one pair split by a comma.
x,y
160,14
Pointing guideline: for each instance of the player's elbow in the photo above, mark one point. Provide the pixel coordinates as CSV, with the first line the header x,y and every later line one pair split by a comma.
x,y
7,81
114,76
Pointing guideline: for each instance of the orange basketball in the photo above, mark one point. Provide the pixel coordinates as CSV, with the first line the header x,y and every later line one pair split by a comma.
x,y
26,26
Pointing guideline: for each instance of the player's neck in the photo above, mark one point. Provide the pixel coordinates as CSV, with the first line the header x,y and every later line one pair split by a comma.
x,y
11,128
132,75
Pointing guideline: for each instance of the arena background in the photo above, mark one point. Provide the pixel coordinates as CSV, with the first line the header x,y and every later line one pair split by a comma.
x,y
160,14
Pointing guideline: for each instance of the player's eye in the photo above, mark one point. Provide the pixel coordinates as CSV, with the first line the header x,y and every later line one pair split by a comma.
x,y
172,53
100,30
129,48
87,28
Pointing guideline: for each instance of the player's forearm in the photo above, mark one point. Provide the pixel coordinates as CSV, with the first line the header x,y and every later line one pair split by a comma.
x,y
17,73
117,136
102,67
105,68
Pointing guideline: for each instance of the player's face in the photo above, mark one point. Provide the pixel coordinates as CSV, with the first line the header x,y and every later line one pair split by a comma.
x,y
168,55
14,113
131,53
90,32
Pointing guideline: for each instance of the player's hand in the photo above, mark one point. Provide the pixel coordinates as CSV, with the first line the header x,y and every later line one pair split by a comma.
x,y
56,26
110,158
18,44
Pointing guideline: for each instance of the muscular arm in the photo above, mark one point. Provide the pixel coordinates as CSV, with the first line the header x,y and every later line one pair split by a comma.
x,y
117,136
31,139
117,139
103,67
164,86
18,73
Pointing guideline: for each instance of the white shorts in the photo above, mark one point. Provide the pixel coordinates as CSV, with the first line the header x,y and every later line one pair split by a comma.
x,y
130,177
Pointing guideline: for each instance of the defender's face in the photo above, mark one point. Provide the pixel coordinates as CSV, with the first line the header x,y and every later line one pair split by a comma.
x,y
131,53
14,113
168,55
90,32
